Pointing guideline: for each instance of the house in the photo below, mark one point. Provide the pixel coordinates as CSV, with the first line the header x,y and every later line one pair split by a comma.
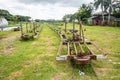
x,y
97,19
117,22
3,23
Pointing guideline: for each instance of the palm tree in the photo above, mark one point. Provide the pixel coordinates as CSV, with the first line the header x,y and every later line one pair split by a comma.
x,y
116,8
102,4
112,4
110,9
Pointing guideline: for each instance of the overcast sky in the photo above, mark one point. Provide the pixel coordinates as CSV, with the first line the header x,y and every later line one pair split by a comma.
x,y
42,9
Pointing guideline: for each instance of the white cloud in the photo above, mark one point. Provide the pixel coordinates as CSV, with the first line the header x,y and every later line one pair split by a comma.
x,y
42,9
73,3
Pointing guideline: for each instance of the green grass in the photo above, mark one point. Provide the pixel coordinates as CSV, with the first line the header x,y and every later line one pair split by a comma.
x,y
35,59
40,54
107,38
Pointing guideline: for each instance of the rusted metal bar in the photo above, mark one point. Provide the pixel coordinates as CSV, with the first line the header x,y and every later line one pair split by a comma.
x,y
100,50
61,36
88,43
81,48
92,54
60,49
21,29
85,60
68,48
75,48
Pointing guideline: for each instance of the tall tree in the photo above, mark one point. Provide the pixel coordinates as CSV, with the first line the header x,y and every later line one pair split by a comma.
x,y
67,16
102,5
14,18
6,14
110,4
23,18
116,9
84,12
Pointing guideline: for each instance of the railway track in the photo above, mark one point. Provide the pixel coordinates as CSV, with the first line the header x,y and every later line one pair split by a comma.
x,y
81,68
31,31
82,71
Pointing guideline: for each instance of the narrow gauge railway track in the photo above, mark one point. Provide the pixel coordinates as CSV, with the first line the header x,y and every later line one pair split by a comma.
x,y
31,30
82,71
81,62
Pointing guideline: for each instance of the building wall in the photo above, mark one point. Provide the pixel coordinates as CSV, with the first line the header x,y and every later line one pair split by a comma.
x,y
97,22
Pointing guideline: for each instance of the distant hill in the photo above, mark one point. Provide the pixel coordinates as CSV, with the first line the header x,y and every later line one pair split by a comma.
x,y
11,17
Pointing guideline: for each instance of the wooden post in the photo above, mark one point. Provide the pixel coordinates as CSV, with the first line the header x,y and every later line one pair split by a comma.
x,y
34,27
2,29
73,29
75,48
68,48
30,25
80,31
21,29
65,26
27,27
60,49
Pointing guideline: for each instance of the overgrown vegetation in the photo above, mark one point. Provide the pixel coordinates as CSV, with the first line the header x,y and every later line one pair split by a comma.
x,y
35,59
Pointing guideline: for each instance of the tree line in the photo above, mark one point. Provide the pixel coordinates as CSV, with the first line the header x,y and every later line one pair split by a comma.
x,y
11,17
110,7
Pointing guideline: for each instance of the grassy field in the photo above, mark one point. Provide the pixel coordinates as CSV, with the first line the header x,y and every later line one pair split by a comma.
x,y
12,23
35,59
108,38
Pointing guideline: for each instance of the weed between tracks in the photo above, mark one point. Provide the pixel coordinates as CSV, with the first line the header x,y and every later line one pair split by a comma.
x,y
35,59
